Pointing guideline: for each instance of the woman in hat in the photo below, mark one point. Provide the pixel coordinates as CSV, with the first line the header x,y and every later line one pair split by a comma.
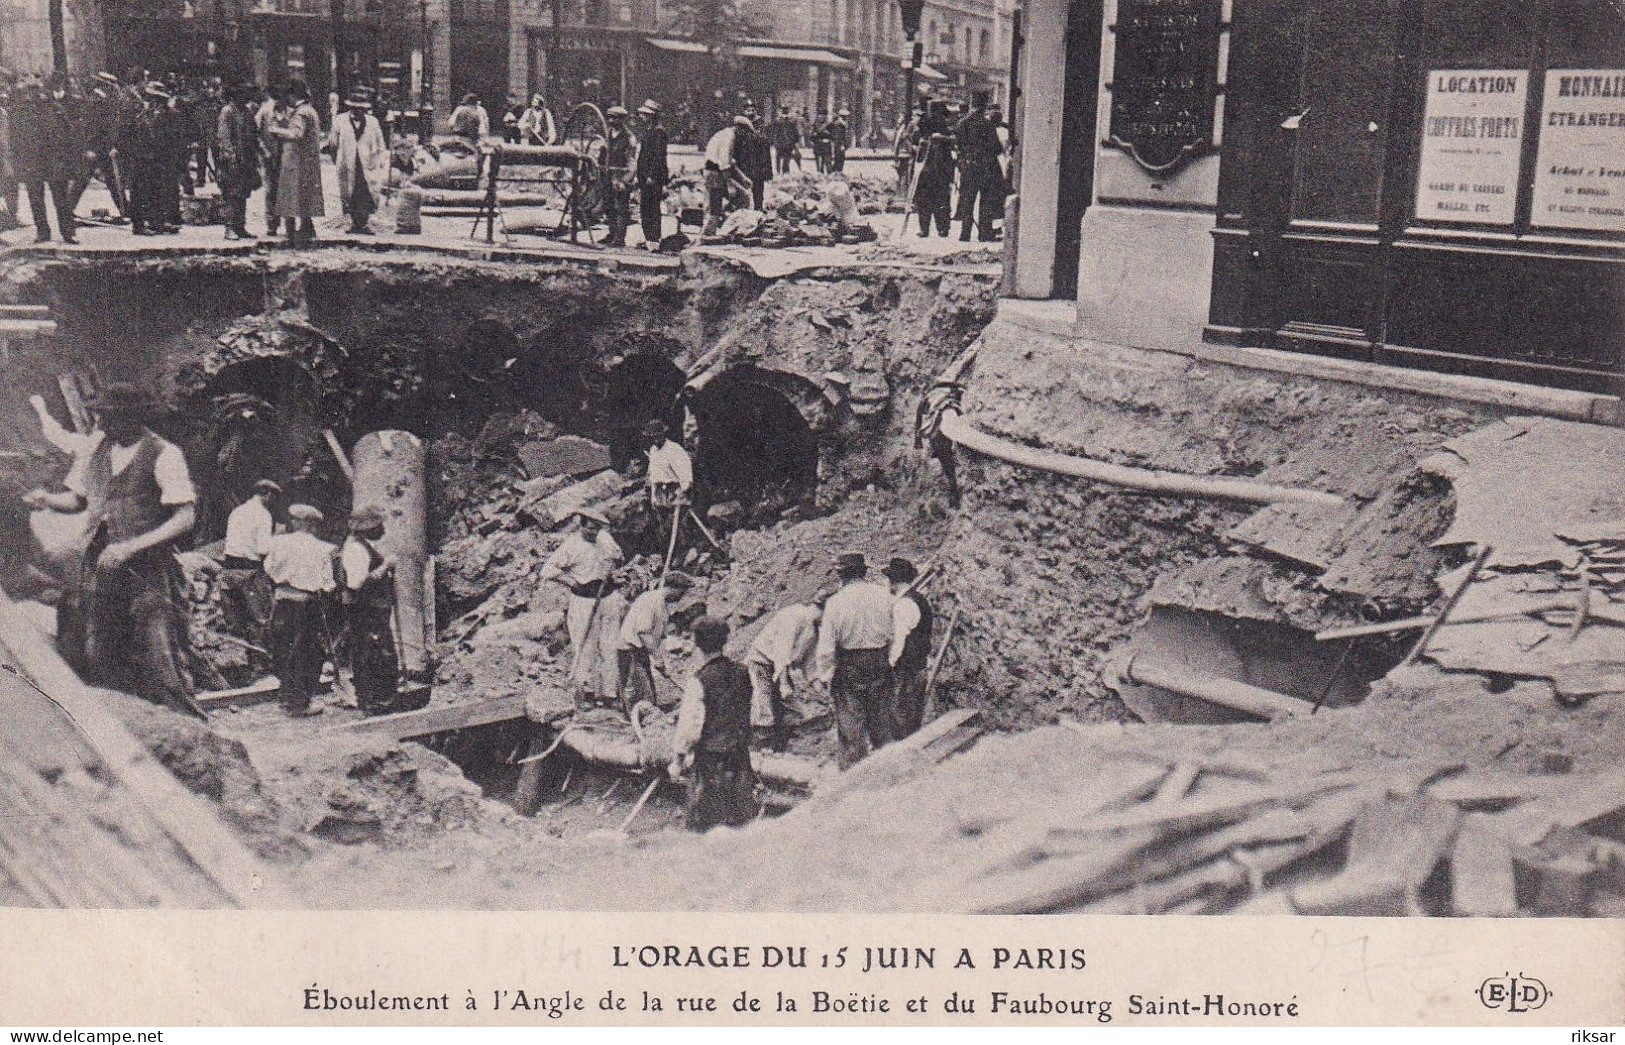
x,y
361,160
299,183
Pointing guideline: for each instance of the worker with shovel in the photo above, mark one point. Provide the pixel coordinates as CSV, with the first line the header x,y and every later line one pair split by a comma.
x,y
641,633
584,564
712,742
910,647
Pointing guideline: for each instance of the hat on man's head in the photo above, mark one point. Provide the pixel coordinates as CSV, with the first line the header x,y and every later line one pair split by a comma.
x,y
124,397
267,486
899,571
470,98
615,112
305,513
744,121
851,562
650,107
357,100
369,518
844,111
107,77
656,429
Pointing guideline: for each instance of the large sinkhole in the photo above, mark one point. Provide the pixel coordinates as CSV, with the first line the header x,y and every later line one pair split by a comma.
x,y
754,445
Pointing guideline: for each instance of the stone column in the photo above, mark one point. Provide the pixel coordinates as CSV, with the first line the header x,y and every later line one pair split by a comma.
x,y
1043,86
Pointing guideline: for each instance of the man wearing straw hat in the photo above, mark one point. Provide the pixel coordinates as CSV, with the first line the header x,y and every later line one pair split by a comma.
x,y
369,597
653,173
361,160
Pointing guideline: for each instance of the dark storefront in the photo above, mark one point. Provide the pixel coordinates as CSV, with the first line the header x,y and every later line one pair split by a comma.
x,y
1431,183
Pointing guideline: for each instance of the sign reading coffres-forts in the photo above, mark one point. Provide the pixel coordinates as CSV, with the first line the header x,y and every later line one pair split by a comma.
x,y
1580,165
1472,136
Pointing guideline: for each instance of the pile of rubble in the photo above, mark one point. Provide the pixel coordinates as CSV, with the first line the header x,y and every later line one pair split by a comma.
x,y
799,210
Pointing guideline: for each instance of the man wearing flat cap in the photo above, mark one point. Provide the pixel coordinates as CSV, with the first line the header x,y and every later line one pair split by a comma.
x,y
123,620
249,529
852,645
300,565
619,160
653,173
910,647
369,598
584,564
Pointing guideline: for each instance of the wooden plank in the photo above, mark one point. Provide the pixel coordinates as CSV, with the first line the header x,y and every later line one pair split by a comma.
x,y
1177,785
436,719
1470,788
1394,847
190,820
261,691
1481,875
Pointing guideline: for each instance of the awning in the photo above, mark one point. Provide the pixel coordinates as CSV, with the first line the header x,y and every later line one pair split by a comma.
x,y
810,55
926,72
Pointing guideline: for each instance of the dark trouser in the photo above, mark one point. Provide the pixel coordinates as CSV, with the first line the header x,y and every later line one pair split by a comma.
x,y
273,171
61,198
373,659
716,199
104,167
236,216
908,700
979,198
649,212
862,696
758,190
635,672
722,790
243,592
781,160
942,448
932,201
148,207
617,213
134,631
297,650
837,158
361,205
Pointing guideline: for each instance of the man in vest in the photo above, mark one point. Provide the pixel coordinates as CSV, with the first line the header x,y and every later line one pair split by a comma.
x,y
369,596
249,529
910,648
125,619
642,631
852,646
712,742
300,564
617,167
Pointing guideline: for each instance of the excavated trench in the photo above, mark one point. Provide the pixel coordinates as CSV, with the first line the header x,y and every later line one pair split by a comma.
x,y
798,398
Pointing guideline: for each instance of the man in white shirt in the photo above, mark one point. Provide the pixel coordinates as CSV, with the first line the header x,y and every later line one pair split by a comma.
x,y
300,565
671,470
778,661
584,564
369,599
123,619
249,529
536,123
852,646
910,647
719,172
641,632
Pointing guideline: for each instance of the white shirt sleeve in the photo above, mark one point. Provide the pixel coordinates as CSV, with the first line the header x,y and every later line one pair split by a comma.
x,y
905,617
690,718
174,479
355,561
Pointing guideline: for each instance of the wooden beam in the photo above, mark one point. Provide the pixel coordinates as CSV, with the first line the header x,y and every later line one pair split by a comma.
x,y
433,719
262,691
193,822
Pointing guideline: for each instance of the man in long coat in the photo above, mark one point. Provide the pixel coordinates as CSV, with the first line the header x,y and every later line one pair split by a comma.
x,y
237,158
653,172
299,177
361,159
934,162
981,178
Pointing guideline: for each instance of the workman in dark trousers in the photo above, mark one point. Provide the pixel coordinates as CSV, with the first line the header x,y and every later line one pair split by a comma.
x,y
910,648
853,642
300,564
369,600
712,744
653,173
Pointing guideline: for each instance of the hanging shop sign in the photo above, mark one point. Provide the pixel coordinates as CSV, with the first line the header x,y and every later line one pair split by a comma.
x,y
1472,140
1165,81
1580,164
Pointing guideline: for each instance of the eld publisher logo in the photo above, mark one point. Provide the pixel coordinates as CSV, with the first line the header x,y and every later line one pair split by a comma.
x,y
1518,993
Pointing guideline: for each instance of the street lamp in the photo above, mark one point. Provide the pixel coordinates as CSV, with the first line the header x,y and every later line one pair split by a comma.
x,y
911,11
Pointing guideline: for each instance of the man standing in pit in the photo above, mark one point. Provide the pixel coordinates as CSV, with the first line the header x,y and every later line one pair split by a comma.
x,y
671,470
584,564
910,648
249,529
713,736
369,598
652,174
852,648
642,630
778,663
300,565
124,616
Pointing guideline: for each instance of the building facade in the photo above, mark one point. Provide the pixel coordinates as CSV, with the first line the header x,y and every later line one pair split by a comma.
x,y
1430,184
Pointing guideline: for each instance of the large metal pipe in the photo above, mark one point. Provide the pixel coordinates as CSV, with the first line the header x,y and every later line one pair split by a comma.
x,y
389,474
1238,696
